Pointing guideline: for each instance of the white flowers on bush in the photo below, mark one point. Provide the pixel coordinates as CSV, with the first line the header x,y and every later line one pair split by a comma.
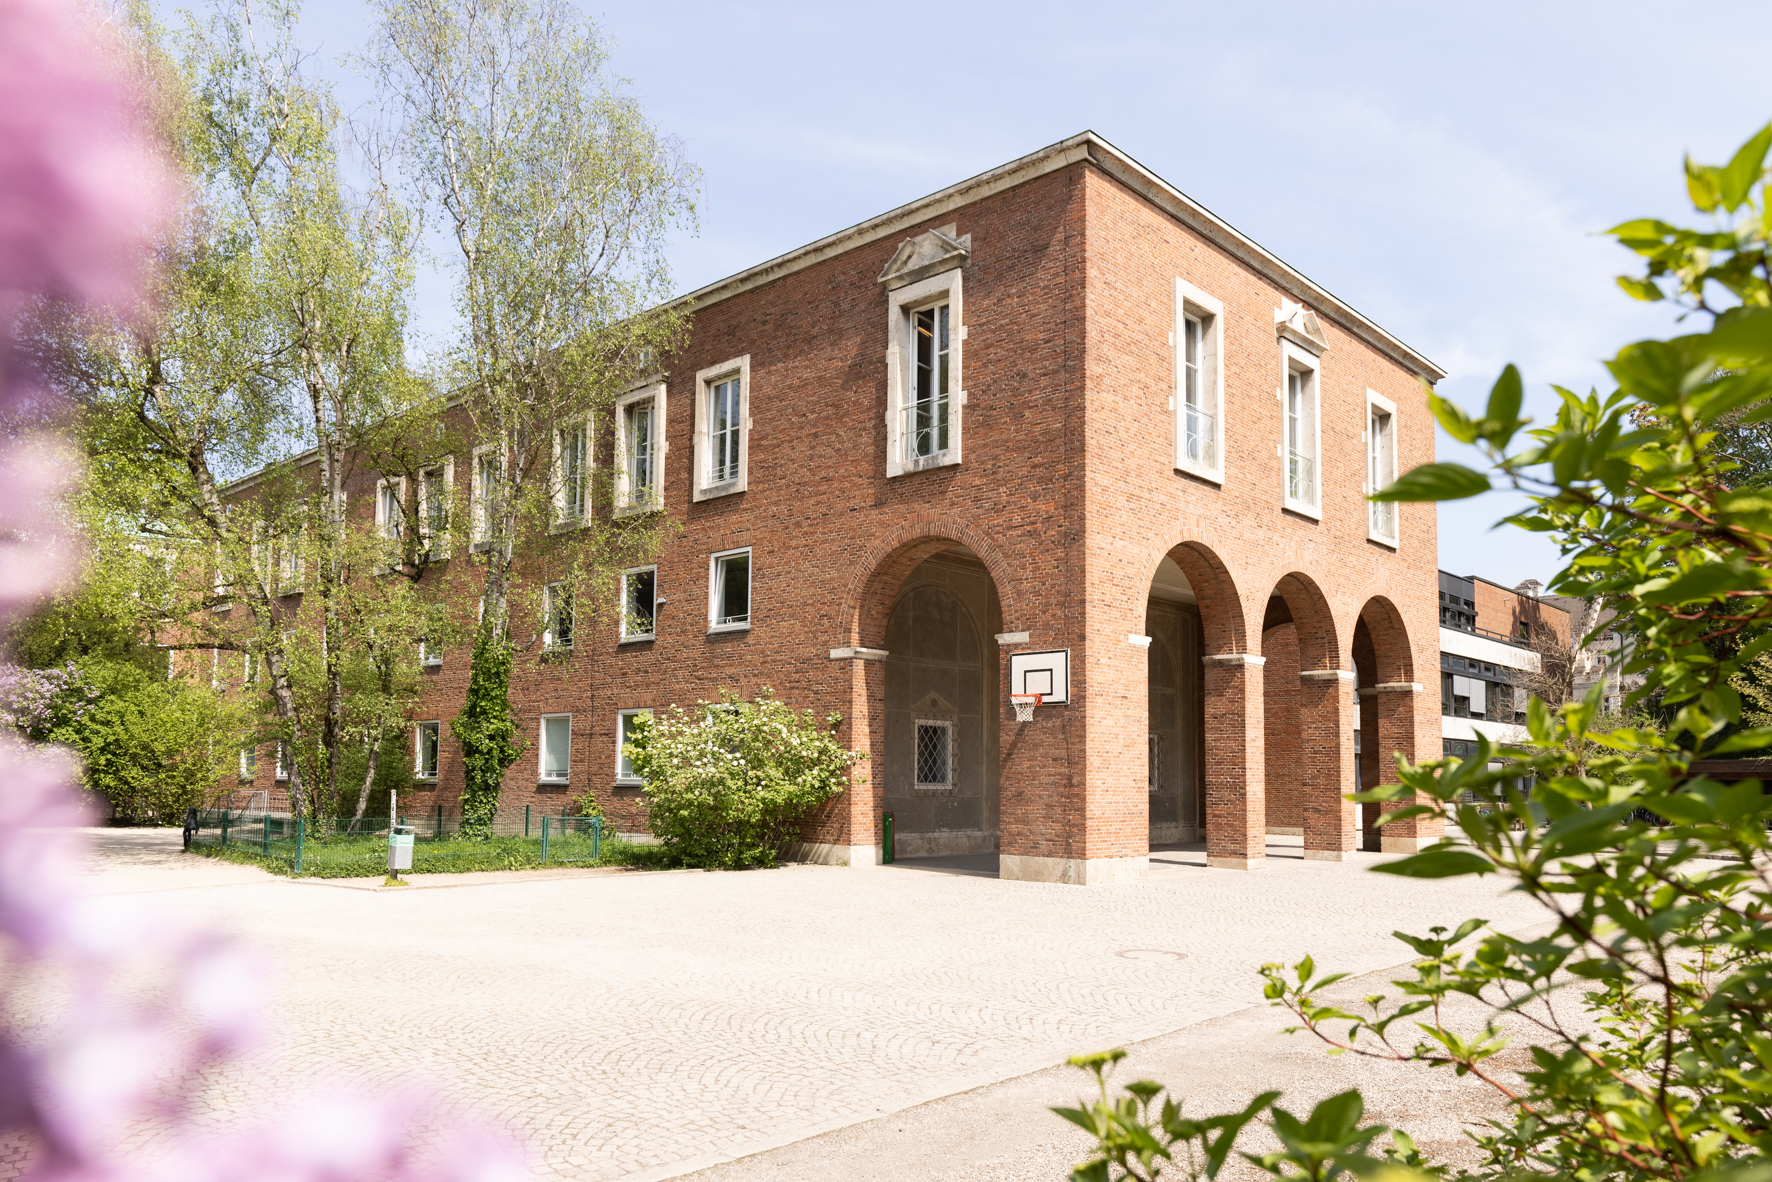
x,y
730,783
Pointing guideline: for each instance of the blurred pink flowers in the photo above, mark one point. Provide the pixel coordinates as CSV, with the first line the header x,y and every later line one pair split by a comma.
x,y
83,193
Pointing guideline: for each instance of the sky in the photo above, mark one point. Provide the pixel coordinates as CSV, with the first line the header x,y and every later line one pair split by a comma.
x,y
1444,169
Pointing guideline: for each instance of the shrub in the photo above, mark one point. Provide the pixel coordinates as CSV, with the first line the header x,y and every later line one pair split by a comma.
x,y
728,784
147,746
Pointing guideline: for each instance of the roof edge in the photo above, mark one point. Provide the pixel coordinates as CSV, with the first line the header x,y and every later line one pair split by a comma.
x,y
1084,147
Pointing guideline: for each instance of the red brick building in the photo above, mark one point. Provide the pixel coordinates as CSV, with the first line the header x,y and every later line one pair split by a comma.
x,y
1054,428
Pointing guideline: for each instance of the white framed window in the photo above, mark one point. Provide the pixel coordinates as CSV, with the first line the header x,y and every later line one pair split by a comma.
x,y
436,495
248,761
430,650
484,495
729,591
248,671
722,429
1199,382
925,399
639,604
572,473
1300,431
625,722
640,449
427,738
1381,466
390,508
215,673
291,563
557,617
935,753
282,761
556,748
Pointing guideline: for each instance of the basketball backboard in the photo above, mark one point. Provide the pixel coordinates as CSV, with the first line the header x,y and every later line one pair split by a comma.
x,y
1047,674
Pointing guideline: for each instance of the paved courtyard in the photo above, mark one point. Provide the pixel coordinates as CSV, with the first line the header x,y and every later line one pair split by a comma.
x,y
644,1025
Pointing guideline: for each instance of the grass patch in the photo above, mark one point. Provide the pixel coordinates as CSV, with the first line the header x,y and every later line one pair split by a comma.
x,y
367,857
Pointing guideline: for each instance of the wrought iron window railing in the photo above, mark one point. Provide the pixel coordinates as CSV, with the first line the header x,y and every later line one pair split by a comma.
x,y
926,427
1384,518
1199,437
1301,478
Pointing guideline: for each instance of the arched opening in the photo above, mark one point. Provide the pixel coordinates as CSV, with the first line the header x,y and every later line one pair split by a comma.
x,y
1204,739
1390,699
1308,708
1174,742
938,765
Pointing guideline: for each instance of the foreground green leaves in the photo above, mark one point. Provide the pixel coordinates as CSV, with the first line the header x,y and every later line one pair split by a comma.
x,y
1648,1006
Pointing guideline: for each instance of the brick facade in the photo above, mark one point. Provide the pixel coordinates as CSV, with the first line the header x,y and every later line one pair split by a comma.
x,y
1067,500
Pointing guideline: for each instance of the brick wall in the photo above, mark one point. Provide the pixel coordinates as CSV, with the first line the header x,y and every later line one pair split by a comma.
x,y
1068,498
1284,742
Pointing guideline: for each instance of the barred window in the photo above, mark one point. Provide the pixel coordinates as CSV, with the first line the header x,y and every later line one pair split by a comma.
x,y
935,753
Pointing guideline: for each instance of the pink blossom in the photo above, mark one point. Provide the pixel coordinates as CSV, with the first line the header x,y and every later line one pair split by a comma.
x,y
82,192
84,188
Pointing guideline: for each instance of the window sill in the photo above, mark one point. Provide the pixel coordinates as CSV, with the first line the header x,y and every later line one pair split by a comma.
x,y
553,783
1380,539
1303,509
932,788
570,524
941,459
638,508
1215,475
429,780
478,547
430,664
646,639
623,782
724,489
723,629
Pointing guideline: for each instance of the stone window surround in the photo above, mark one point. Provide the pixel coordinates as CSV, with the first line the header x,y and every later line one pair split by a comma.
x,y
1191,301
626,781
625,504
382,522
418,750
582,424
1375,399
447,469
705,380
541,750
550,604
621,605
477,523
714,590
944,287
1295,359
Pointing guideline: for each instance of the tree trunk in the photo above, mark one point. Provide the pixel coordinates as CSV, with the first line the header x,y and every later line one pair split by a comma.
x,y
368,777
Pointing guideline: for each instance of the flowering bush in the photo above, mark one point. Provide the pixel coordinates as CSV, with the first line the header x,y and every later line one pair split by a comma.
x,y
728,784
32,699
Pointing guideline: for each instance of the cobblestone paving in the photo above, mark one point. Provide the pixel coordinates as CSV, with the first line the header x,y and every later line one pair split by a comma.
x,y
643,1025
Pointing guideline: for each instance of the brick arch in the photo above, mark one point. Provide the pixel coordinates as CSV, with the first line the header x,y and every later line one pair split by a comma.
x,y
1318,644
1394,658
867,604
1221,609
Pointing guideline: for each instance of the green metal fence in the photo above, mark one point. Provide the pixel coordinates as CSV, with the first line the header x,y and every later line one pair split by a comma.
x,y
341,847
571,839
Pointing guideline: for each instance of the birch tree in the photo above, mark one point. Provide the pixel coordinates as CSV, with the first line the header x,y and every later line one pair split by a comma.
x,y
556,195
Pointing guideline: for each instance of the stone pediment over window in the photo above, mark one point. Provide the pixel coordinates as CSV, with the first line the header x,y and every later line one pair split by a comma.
x,y
929,253
1299,325
934,704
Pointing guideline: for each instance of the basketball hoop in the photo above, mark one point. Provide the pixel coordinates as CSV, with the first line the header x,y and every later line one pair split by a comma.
x,y
1024,706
